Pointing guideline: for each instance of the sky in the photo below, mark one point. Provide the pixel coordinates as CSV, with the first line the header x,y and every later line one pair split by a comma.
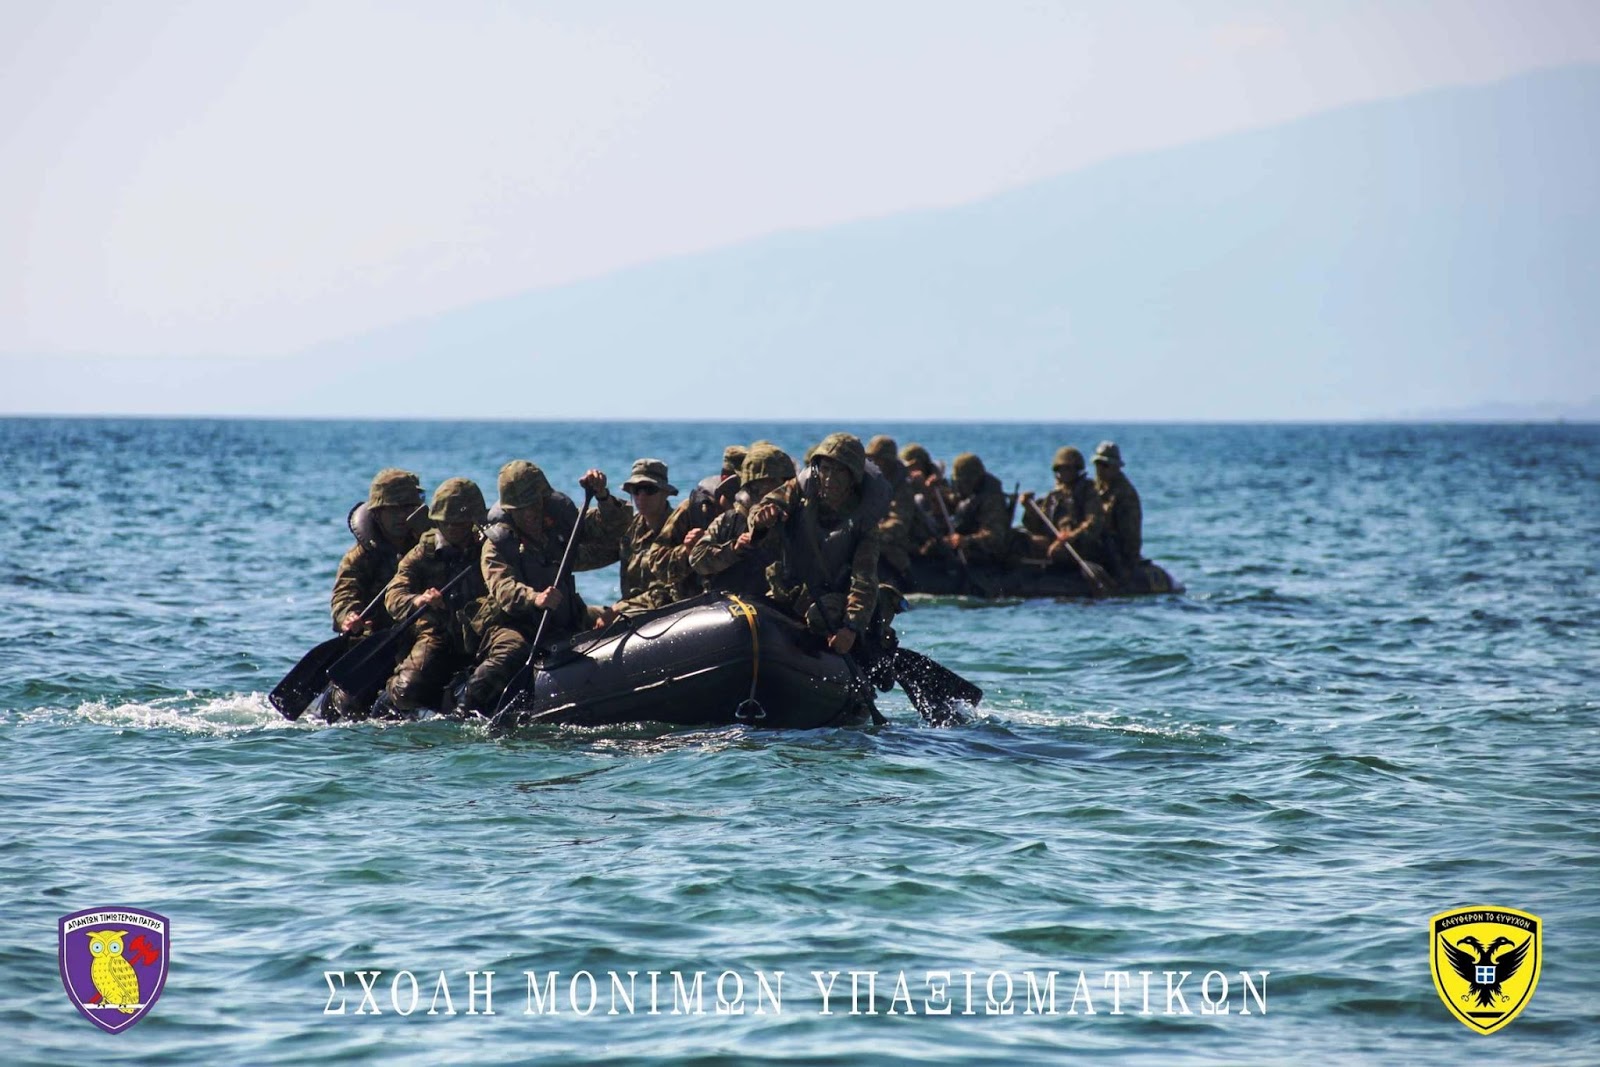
x,y
251,178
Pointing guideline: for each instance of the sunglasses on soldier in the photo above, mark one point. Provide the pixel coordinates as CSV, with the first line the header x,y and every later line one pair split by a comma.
x,y
645,490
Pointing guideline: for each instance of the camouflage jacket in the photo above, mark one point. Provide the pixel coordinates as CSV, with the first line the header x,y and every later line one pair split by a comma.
x,y
655,566
1073,509
431,565
829,561
982,518
364,572
1124,521
517,567
905,520
721,568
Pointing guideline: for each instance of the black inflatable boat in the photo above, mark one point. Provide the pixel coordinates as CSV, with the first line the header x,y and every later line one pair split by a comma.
x,y
1026,578
711,660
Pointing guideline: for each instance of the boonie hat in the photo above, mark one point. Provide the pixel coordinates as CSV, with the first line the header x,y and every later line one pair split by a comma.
x,y
649,472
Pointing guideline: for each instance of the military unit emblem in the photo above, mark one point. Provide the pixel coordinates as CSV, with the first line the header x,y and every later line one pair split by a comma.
x,y
1485,962
113,964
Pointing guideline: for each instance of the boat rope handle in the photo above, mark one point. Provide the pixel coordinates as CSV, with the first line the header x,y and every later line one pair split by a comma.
x,y
751,710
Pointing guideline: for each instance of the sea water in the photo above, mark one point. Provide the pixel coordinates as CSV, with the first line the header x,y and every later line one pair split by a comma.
x,y
1376,701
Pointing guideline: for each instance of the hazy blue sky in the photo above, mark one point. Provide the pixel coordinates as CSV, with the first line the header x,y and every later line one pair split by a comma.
x,y
249,178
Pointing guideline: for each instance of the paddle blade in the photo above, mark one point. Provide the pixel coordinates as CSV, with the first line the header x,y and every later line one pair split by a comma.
x,y
936,691
368,665
308,678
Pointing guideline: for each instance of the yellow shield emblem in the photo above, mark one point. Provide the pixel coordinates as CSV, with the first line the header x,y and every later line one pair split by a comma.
x,y
1485,962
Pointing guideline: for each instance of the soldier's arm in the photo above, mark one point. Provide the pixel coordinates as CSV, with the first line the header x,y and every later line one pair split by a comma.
x,y
1130,531
1031,521
600,537
994,524
783,499
352,585
862,600
509,593
714,552
671,562
409,580
1087,528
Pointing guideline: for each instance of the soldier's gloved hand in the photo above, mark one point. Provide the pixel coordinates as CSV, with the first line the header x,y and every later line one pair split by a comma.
x,y
692,536
594,480
548,599
842,640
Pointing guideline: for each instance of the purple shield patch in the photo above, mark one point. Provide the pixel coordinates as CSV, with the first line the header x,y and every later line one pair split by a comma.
x,y
113,963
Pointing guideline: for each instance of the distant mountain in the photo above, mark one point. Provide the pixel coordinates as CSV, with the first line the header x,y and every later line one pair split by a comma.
x,y
1422,254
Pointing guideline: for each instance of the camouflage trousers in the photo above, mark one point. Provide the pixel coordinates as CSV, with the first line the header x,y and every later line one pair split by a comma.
x,y
501,653
436,654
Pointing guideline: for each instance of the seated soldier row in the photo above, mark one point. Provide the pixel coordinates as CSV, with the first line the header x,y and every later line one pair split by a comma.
x,y
969,516
481,581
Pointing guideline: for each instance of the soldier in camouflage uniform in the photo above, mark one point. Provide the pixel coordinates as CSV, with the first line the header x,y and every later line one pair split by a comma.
x,y
981,518
729,559
904,518
384,531
655,548
714,495
827,571
1073,508
519,563
926,530
445,636
1122,543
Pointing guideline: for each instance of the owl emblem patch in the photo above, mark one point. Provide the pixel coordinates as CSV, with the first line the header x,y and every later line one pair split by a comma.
x,y
113,963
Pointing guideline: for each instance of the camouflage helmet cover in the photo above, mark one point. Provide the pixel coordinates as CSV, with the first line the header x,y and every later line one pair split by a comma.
x,y
523,485
394,488
458,500
881,448
846,450
967,469
916,457
733,458
1069,457
766,461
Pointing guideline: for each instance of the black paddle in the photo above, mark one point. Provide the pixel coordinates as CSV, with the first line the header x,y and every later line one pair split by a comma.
x,y
306,679
368,665
934,690
1093,573
516,689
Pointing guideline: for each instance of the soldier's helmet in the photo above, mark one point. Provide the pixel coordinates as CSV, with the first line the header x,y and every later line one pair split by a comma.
x,y
1067,458
967,471
733,458
846,450
458,500
882,450
523,485
649,472
395,488
917,458
766,461
1108,452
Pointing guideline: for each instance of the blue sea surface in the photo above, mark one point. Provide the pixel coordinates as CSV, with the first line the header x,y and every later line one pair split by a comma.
x,y
1376,701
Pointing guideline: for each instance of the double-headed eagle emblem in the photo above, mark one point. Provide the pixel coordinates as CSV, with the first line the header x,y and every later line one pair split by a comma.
x,y
1485,963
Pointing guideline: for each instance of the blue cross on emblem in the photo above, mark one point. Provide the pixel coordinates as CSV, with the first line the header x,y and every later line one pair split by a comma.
x,y
1485,975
